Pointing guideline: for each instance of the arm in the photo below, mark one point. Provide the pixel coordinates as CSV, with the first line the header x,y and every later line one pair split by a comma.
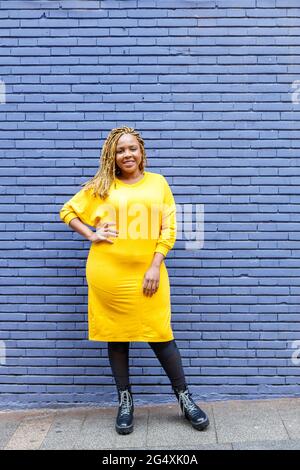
x,y
157,259
152,275
81,228
76,213
80,205
81,210
164,243
168,231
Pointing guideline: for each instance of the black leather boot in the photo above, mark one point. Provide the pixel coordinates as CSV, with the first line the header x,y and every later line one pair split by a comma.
x,y
124,421
190,410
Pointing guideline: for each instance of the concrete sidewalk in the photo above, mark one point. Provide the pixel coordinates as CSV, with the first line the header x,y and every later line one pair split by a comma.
x,y
255,424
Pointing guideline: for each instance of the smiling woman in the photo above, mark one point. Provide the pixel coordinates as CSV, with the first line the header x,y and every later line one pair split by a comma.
x,y
128,158
128,282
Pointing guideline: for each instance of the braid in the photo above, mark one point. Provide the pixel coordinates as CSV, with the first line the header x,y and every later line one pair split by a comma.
x,y
108,169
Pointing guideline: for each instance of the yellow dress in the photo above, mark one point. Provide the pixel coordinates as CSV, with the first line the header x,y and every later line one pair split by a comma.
x,y
145,215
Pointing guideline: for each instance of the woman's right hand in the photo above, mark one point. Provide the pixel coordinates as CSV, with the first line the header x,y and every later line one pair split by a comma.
x,y
103,232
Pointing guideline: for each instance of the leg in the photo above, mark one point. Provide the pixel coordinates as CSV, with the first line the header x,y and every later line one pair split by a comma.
x,y
118,353
170,359
169,356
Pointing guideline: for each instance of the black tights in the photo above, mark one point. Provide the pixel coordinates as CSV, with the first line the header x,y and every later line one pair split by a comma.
x,y
167,353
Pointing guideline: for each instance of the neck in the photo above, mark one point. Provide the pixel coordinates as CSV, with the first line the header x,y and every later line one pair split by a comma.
x,y
131,176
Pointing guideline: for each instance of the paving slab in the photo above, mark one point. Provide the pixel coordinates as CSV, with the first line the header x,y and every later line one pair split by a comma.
x,y
97,431
248,421
234,424
267,445
199,447
64,431
30,433
286,403
170,429
291,420
7,428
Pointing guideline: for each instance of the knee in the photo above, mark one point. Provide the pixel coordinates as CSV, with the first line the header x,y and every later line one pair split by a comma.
x,y
163,345
118,346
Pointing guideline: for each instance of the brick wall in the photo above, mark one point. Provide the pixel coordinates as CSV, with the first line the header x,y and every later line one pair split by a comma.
x,y
211,86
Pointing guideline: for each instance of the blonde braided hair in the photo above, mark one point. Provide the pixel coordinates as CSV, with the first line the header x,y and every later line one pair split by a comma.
x,y
108,169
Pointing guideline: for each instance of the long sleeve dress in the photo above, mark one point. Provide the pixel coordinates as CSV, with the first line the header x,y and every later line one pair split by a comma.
x,y
145,215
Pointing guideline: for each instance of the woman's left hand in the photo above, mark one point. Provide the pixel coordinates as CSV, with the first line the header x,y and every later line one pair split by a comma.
x,y
151,281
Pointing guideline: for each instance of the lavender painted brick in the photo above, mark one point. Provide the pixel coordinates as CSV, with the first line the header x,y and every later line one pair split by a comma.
x,y
214,106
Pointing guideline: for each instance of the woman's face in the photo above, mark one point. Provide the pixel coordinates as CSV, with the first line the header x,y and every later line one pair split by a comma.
x,y
128,155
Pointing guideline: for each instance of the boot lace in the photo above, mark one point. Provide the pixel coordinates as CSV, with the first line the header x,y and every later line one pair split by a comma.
x,y
187,401
125,402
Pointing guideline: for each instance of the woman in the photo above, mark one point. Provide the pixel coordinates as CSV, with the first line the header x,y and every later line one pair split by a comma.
x,y
128,283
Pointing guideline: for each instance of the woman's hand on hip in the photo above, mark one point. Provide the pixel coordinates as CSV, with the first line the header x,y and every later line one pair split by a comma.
x,y
103,231
151,281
